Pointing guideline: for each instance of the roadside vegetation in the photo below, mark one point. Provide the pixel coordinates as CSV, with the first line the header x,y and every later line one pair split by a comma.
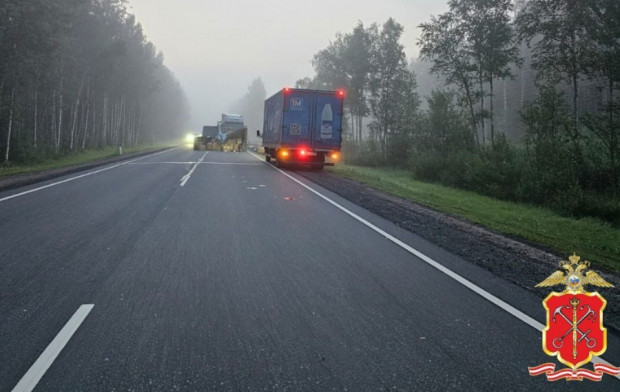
x,y
591,238
514,100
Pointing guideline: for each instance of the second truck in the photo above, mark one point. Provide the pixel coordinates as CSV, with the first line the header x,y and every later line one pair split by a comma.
x,y
230,134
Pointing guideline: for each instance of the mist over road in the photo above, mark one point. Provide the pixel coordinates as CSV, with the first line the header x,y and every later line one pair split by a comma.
x,y
216,272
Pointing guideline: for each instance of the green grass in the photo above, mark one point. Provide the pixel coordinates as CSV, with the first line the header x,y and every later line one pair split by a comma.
x,y
590,238
71,160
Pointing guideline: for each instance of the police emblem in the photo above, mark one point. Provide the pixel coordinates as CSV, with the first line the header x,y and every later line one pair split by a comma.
x,y
574,331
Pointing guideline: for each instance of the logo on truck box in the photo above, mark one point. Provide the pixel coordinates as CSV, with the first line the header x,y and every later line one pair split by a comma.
x,y
327,118
297,103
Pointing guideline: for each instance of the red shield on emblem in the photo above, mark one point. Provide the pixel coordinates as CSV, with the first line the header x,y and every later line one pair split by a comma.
x,y
574,330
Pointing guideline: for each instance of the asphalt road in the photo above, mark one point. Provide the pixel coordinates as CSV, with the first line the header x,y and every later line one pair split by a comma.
x,y
237,278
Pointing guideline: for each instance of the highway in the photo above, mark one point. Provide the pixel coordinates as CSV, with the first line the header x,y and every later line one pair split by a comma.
x,y
218,272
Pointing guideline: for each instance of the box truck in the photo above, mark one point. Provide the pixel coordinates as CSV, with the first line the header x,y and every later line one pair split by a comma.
x,y
303,127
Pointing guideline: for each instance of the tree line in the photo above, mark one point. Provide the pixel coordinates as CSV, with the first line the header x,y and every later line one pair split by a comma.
x,y
551,65
80,74
370,64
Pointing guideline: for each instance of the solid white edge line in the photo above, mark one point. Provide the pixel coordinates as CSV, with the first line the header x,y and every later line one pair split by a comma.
x,y
32,377
83,175
478,290
186,177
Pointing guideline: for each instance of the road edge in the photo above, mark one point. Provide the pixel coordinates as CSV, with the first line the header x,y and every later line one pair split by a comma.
x,y
24,179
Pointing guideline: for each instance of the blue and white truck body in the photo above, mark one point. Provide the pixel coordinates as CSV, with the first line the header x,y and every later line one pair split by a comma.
x,y
303,127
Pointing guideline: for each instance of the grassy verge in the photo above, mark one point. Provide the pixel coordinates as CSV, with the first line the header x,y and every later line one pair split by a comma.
x,y
592,239
71,160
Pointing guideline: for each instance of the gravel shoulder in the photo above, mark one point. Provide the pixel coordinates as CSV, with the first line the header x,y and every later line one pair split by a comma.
x,y
511,259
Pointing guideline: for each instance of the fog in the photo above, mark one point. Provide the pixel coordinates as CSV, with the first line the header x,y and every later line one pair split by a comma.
x,y
217,49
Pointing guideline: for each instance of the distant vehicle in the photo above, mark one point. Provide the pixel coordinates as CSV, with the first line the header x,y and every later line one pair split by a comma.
x,y
230,134
303,127
191,137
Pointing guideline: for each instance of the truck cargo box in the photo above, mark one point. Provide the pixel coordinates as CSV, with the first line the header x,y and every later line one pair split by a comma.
x,y
303,127
296,117
209,132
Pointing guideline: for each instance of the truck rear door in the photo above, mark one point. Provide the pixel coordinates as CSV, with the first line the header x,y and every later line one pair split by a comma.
x,y
327,124
296,127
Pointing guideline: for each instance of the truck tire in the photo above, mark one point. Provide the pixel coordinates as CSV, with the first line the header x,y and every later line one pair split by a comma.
x,y
267,158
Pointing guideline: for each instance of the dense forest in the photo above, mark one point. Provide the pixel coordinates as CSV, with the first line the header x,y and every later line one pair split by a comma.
x,y
515,100
80,74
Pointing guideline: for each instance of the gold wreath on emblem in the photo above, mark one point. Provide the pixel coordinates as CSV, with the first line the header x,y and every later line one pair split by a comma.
x,y
573,276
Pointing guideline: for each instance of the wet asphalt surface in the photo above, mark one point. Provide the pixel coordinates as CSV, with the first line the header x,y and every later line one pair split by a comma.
x,y
244,280
521,263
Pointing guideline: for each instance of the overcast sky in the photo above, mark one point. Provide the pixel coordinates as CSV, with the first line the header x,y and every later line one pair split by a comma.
x,y
217,48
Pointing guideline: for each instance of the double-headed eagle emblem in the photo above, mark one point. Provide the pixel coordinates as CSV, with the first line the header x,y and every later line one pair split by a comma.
x,y
573,276
574,332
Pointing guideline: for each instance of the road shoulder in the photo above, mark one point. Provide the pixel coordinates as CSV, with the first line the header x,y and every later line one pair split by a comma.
x,y
20,180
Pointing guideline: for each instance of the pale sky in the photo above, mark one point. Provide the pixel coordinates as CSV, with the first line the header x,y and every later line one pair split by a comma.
x,y
216,48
